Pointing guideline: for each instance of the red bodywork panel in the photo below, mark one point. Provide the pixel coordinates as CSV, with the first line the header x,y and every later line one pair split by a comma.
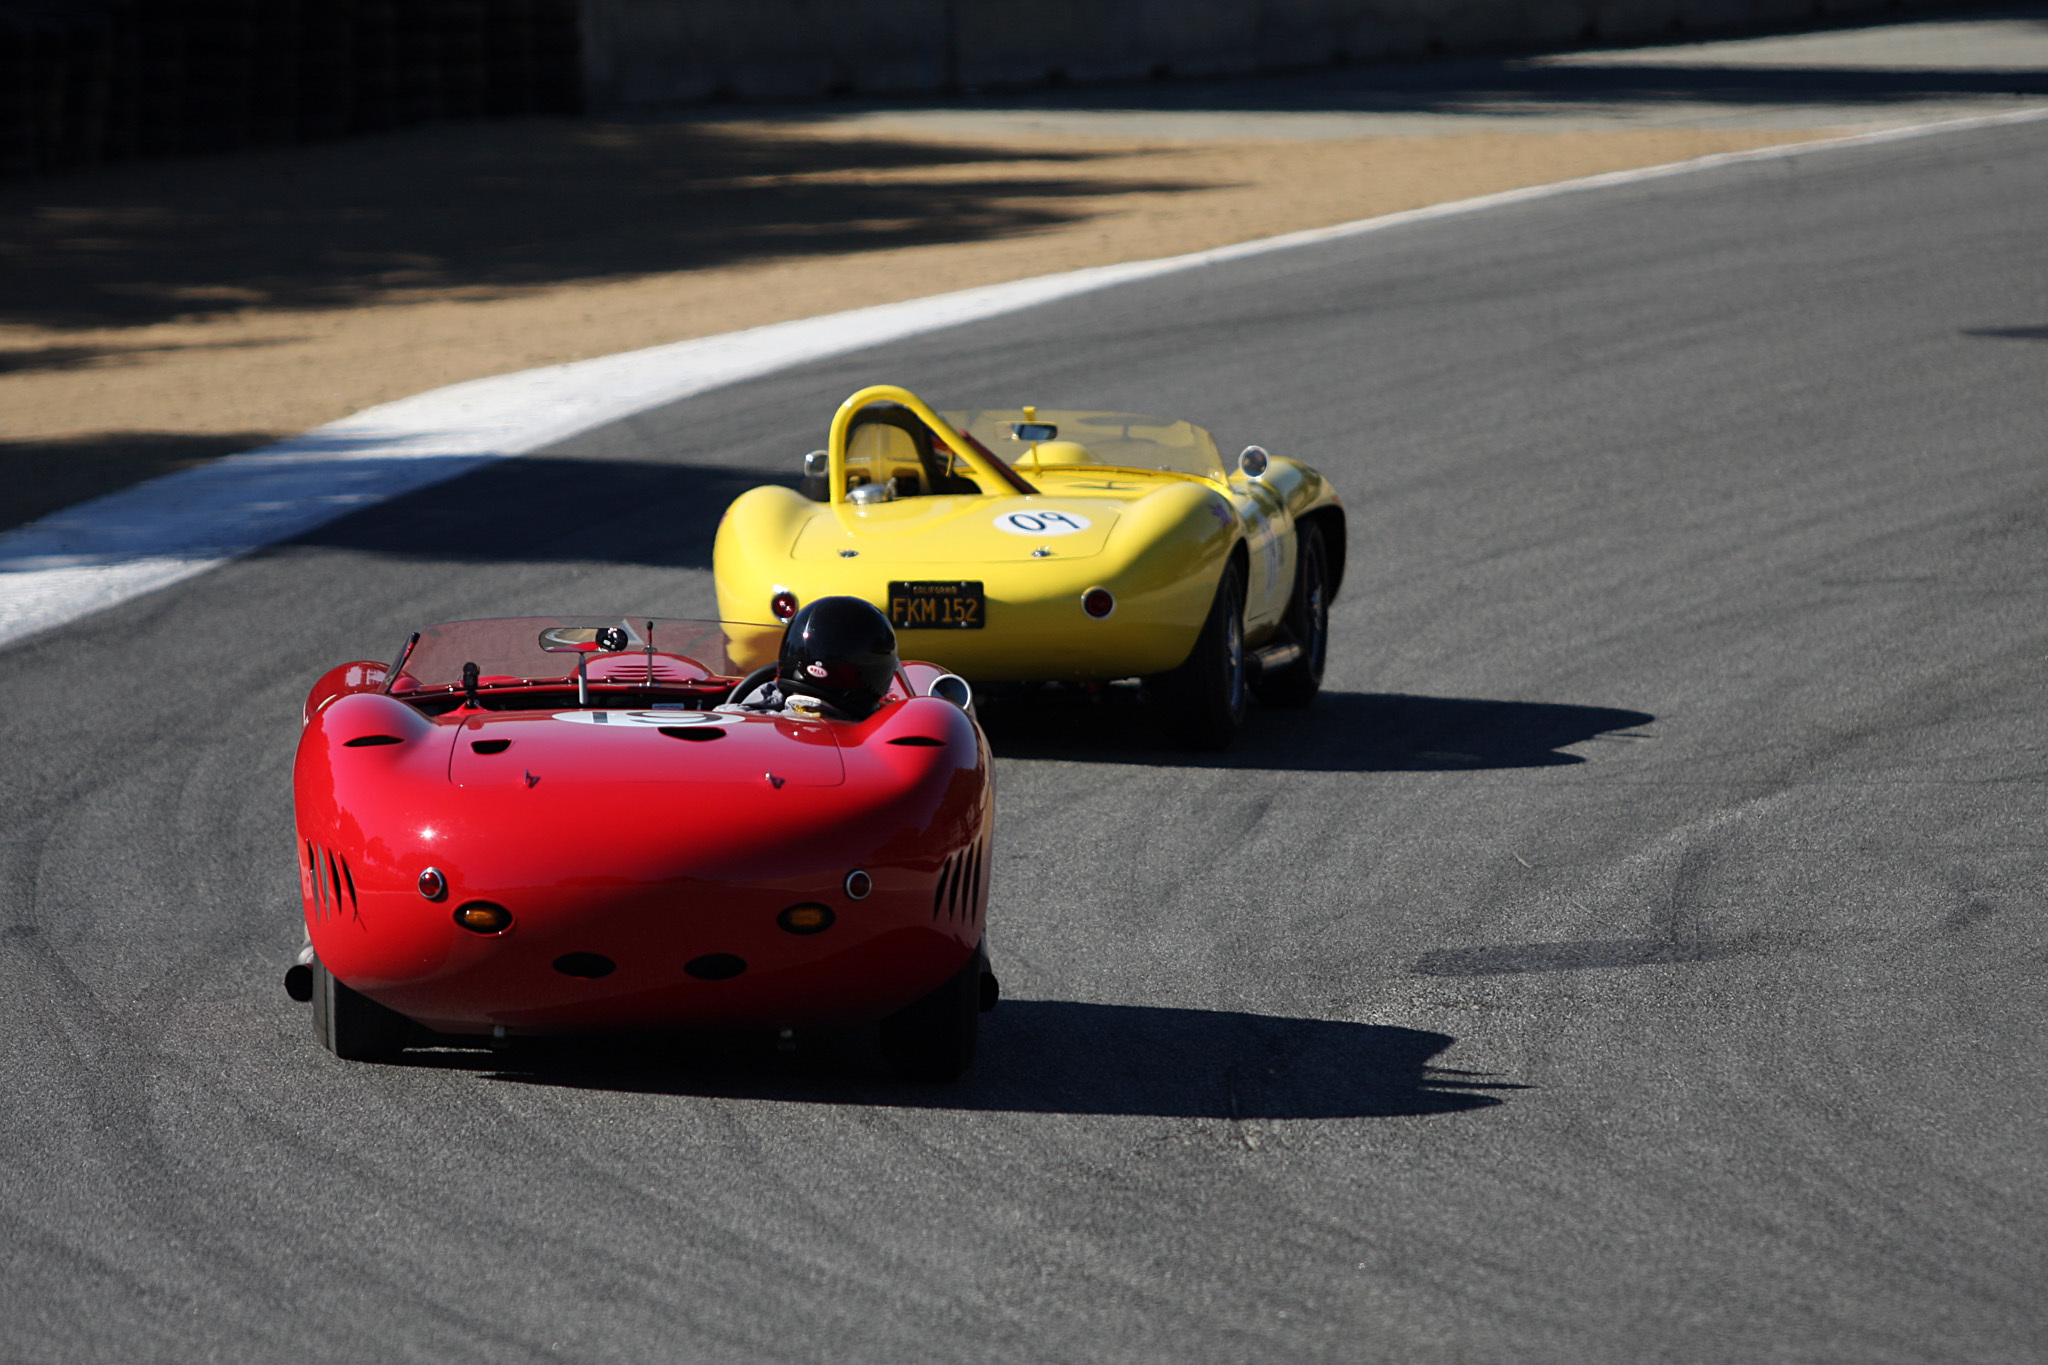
x,y
619,832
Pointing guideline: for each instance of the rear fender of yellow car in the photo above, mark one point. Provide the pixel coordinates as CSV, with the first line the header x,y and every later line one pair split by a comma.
x,y
1160,564
1307,495
1300,487
750,556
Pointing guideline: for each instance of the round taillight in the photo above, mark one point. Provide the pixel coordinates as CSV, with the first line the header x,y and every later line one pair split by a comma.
x,y
432,884
783,604
1097,602
858,885
482,917
808,918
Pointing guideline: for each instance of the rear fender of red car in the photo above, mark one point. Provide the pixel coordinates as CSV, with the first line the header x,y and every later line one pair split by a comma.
x,y
363,675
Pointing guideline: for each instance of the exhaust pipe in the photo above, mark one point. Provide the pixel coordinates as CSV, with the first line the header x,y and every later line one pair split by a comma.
x,y
298,978
1275,657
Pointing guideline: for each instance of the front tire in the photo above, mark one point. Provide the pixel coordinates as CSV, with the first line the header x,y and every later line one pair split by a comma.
x,y
1308,621
352,1026
933,1039
1206,696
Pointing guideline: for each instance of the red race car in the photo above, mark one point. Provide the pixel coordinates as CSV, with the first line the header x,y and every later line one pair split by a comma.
x,y
544,825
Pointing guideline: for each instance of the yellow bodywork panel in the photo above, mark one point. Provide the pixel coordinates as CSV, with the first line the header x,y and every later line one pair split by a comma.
x,y
959,529
1068,502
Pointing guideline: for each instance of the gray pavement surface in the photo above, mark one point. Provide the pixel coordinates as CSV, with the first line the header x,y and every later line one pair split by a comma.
x,y
1868,76
1636,955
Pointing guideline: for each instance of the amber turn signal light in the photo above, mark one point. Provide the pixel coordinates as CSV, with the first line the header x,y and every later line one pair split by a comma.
x,y
808,918
482,917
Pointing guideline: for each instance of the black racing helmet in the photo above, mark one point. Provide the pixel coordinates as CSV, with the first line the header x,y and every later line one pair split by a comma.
x,y
840,650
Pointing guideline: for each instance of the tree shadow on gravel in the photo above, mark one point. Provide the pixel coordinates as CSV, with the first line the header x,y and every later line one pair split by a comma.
x,y
496,208
1045,1057
1341,732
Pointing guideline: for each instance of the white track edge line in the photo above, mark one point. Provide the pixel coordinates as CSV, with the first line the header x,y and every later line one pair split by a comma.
x,y
98,554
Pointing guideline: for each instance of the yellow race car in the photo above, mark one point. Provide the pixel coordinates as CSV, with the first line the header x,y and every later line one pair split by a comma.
x,y
1095,547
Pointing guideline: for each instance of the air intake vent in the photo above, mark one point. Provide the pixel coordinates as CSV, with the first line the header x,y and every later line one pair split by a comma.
x,y
330,885
958,894
370,741
970,899
695,733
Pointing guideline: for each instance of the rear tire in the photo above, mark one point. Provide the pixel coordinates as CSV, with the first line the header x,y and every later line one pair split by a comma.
x,y
933,1039
351,1025
1205,697
1308,621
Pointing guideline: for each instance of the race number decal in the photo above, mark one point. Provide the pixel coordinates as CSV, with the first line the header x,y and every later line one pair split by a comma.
x,y
1042,523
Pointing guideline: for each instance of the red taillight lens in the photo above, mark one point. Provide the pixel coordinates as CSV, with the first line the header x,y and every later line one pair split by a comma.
x,y
1097,602
783,604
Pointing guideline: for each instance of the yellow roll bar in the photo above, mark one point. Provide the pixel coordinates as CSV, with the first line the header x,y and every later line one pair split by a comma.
x,y
995,480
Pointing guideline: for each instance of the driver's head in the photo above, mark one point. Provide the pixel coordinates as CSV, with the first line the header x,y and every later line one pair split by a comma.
x,y
840,650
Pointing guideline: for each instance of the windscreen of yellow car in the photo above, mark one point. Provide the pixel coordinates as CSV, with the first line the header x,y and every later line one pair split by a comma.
x,y
1049,439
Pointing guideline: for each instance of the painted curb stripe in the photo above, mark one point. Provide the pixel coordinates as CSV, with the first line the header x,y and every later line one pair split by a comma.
x,y
101,553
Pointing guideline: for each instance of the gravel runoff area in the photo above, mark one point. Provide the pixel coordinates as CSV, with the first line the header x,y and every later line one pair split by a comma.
x,y
156,315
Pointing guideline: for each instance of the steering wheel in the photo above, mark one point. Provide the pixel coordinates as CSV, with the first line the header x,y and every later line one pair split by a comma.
x,y
750,684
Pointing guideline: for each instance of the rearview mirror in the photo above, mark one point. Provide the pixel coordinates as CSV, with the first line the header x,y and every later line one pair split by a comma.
x,y
582,639
953,688
1253,462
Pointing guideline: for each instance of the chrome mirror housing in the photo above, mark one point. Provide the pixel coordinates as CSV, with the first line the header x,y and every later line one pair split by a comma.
x,y
1253,462
953,688
817,464
872,493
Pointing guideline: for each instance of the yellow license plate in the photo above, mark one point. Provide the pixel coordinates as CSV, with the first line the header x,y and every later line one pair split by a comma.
x,y
937,606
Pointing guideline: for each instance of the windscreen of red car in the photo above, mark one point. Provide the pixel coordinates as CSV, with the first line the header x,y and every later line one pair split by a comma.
x,y
508,649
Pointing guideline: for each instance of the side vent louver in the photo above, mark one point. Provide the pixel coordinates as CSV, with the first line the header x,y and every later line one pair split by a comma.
x,y
945,882
330,884
959,892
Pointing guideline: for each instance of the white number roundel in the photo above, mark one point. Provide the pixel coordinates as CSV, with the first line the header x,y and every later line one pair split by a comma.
x,y
1042,523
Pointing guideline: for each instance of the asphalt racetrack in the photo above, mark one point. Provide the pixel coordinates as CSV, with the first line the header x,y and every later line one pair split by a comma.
x,y
1636,955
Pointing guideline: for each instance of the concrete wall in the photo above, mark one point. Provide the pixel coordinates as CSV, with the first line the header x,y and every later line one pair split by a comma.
x,y
654,53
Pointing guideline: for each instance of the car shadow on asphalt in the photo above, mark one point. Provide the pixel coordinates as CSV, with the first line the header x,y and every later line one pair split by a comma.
x,y
1340,732
1041,1056
555,508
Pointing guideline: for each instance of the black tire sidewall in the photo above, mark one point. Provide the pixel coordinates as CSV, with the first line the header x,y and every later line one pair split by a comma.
x,y
933,1039
1199,694
1308,622
351,1025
